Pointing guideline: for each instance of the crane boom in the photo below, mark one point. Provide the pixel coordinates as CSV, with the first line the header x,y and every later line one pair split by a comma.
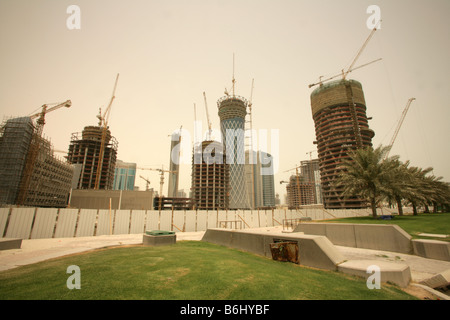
x,y
44,111
344,75
399,125
104,124
207,117
161,183
351,67
340,74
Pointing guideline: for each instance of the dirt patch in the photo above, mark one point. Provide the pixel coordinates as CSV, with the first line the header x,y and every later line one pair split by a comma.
x,y
420,293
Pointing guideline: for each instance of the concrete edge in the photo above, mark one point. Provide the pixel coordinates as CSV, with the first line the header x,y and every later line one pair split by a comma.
x,y
438,294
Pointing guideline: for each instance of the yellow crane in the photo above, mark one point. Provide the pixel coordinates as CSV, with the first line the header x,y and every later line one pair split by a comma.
x,y
161,183
147,183
103,123
400,122
34,148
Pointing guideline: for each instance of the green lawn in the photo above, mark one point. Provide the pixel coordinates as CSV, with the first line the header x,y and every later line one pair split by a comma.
x,y
187,270
436,223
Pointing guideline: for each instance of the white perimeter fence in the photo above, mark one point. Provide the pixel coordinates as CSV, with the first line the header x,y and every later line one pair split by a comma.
x,y
38,223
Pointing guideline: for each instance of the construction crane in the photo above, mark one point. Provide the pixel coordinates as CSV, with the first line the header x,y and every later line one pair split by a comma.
x,y
147,183
400,122
34,148
161,183
208,137
351,67
348,88
233,83
103,123
341,74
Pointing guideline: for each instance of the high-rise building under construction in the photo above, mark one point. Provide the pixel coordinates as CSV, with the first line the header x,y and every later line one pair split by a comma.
x,y
85,150
210,176
341,125
30,174
232,112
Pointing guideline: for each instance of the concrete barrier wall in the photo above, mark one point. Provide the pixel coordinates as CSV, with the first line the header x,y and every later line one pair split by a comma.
x,y
432,249
369,236
314,251
35,223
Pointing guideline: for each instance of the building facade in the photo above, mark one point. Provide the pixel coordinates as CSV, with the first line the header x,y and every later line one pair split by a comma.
x,y
341,125
232,112
85,148
124,176
44,181
210,177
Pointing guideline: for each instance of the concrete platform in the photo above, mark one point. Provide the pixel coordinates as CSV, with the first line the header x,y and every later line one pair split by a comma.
x,y
432,249
398,274
159,240
368,236
10,243
313,251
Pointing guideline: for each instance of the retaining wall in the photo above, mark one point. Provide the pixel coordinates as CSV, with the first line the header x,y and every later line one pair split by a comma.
x,y
368,236
314,251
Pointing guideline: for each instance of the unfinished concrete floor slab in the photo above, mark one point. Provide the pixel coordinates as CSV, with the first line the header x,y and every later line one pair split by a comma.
x,y
399,274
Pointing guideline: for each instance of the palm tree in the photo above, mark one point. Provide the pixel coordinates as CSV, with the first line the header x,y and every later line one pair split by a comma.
x,y
366,175
398,186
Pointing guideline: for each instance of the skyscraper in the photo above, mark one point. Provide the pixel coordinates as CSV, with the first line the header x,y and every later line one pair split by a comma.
x,y
174,164
124,176
339,113
232,112
85,148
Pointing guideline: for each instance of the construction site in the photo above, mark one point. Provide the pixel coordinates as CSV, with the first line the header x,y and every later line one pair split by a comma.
x,y
210,177
304,187
225,175
31,173
86,149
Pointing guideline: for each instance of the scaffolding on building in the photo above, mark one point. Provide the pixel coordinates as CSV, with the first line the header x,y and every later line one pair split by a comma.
x,y
39,179
85,148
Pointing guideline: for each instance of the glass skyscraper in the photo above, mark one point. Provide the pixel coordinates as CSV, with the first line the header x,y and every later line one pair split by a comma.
x,y
124,176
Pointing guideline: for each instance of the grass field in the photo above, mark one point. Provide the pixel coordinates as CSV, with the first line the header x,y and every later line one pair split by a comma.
x,y
435,223
188,270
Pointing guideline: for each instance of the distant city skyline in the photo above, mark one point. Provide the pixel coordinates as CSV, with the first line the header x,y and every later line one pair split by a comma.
x,y
169,52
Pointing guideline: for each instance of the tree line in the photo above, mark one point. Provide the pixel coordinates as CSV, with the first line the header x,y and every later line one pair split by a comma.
x,y
372,176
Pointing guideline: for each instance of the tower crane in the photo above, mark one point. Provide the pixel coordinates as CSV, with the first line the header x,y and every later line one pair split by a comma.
x,y
208,137
103,123
351,67
34,148
147,183
349,91
161,183
400,122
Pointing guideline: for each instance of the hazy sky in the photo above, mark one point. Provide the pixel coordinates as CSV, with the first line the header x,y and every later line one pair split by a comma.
x,y
168,52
